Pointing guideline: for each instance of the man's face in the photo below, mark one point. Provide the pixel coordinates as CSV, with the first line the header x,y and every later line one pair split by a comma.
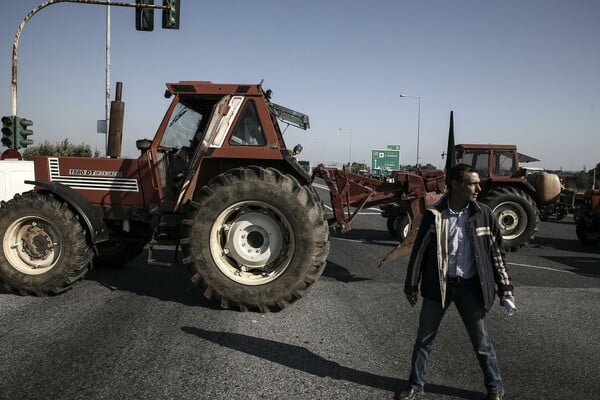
x,y
469,188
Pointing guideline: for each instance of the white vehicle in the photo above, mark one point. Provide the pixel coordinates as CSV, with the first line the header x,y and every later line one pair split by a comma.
x,y
13,174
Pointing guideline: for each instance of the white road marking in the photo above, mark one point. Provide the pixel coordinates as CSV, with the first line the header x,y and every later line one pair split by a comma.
x,y
545,268
347,240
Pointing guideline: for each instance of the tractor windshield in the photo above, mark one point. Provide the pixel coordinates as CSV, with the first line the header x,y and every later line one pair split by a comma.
x,y
479,160
182,127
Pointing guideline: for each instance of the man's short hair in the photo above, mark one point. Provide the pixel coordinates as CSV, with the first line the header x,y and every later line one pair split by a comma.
x,y
457,174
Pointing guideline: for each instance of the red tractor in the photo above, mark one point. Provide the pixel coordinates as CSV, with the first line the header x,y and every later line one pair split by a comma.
x,y
587,216
515,199
217,179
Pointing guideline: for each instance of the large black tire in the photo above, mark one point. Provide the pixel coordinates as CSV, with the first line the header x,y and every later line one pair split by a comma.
x,y
399,226
516,213
44,249
586,234
116,253
255,239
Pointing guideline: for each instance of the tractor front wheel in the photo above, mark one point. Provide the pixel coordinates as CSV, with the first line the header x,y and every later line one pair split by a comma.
x,y
255,238
44,245
516,213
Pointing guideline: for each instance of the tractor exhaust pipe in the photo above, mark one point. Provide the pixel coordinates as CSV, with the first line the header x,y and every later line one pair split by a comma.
x,y
450,156
115,128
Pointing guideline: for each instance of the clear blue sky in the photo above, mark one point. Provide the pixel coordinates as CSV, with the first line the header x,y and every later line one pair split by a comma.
x,y
514,72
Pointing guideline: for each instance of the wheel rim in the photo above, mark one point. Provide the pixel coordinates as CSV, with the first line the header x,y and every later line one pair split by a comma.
x,y
252,243
32,245
406,229
512,219
401,228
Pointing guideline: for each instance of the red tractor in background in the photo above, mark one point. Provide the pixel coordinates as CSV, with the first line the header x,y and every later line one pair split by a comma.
x,y
217,179
587,216
516,200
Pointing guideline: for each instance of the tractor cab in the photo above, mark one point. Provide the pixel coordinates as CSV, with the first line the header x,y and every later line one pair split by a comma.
x,y
211,128
490,161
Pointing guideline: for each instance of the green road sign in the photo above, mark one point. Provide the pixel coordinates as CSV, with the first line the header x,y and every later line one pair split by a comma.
x,y
385,160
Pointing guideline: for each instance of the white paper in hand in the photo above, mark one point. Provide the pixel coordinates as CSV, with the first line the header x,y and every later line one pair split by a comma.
x,y
510,306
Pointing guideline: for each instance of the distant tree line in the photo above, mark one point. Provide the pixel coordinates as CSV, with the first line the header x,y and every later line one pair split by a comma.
x,y
58,149
580,180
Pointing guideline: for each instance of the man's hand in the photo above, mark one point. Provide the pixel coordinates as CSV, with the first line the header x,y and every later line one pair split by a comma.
x,y
507,297
412,298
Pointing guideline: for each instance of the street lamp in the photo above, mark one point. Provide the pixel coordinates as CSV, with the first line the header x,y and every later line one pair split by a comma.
x,y
349,131
418,123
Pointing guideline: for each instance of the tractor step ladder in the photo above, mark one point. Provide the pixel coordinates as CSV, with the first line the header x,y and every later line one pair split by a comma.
x,y
162,238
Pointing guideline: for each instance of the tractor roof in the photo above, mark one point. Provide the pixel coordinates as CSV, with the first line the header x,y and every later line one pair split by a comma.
x,y
206,87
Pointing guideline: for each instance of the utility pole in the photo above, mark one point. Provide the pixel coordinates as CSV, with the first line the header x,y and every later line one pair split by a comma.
x,y
107,99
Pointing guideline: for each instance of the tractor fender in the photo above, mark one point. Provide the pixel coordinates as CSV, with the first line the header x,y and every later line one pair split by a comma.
x,y
94,222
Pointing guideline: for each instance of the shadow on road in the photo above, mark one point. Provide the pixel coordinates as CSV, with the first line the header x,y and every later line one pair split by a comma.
x,y
583,265
373,236
301,359
573,245
164,283
342,274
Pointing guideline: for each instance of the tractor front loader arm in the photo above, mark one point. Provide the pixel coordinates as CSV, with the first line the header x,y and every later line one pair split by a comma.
x,y
350,193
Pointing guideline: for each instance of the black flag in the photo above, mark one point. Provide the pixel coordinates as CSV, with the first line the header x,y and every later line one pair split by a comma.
x,y
450,156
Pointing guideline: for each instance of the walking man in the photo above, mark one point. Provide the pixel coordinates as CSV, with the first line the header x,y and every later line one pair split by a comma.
x,y
458,258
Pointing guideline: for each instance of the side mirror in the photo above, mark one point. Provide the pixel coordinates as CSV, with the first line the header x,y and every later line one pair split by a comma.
x,y
297,149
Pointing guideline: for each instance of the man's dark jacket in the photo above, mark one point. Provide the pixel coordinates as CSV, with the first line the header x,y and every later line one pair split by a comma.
x,y
429,258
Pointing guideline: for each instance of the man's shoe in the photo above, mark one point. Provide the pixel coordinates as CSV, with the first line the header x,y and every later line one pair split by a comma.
x,y
413,393
496,396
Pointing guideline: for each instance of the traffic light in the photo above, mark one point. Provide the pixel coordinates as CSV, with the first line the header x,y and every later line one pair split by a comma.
x,y
8,132
144,17
22,132
170,16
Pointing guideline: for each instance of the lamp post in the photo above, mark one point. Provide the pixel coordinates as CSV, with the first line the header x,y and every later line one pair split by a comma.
x,y
349,131
418,123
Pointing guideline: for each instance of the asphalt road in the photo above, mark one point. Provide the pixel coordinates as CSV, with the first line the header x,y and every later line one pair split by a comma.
x,y
144,332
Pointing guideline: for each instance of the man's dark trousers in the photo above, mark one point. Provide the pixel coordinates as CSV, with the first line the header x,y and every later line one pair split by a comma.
x,y
469,302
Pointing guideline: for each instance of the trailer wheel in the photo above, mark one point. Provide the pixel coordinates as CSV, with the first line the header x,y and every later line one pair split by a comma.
x,y
255,239
586,234
399,226
516,214
44,246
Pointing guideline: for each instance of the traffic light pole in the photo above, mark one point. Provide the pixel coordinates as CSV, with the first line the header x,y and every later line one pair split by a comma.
x,y
41,7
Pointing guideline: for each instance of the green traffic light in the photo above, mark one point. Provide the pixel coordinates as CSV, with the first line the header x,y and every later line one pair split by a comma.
x,y
22,132
144,17
170,16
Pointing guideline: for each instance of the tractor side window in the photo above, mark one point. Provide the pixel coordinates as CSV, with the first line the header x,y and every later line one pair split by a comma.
x,y
479,161
504,163
182,127
248,131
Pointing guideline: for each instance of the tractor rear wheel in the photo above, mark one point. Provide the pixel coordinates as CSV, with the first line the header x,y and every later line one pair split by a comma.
x,y
516,213
44,246
586,234
255,238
